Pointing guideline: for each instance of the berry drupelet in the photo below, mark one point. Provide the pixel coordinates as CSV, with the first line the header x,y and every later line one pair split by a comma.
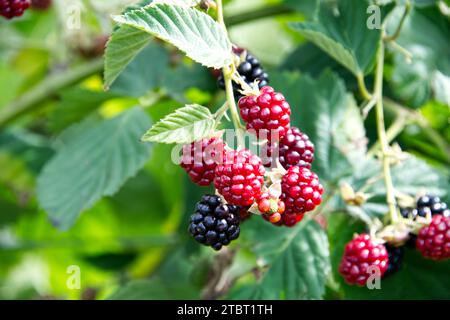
x,y
214,223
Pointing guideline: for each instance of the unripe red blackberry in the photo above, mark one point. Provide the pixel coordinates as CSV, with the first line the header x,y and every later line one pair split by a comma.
x,y
301,190
294,149
200,159
13,8
271,209
240,177
433,241
360,256
214,224
41,4
267,114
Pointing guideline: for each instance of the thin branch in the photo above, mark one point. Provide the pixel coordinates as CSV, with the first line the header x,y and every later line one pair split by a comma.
x,y
381,131
261,13
396,33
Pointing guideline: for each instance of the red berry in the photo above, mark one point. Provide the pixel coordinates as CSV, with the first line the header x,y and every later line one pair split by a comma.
x,y
290,220
433,241
240,178
41,4
294,149
200,159
360,254
301,190
13,8
272,209
268,114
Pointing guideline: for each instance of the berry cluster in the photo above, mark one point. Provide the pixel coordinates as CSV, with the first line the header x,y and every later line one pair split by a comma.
x,y
214,224
432,241
250,71
240,179
13,8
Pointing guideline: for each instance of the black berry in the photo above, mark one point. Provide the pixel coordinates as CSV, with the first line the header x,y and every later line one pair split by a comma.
x,y
395,259
250,70
425,205
214,223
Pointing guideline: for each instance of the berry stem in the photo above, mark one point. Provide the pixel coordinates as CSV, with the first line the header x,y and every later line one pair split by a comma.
x,y
382,137
362,87
227,75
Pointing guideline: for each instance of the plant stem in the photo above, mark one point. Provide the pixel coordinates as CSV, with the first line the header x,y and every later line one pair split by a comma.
x,y
394,130
32,99
362,87
257,14
227,74
390,192
396,34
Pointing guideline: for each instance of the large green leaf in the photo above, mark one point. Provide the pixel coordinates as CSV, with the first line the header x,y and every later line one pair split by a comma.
x,y
153,68
185,125
95,160
329,116
123,46
297,258
191,31
336,34
425,35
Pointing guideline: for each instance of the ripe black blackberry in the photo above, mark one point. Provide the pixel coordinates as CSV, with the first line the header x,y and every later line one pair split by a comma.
x,y
424,205
13,8
214,223
395,259
250,70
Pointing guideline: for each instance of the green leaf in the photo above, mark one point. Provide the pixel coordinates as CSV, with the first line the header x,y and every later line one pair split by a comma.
x,y
425,35
185,125
123,46
145,73
94,161
298,260
191,31
329,116
153,289
336,34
